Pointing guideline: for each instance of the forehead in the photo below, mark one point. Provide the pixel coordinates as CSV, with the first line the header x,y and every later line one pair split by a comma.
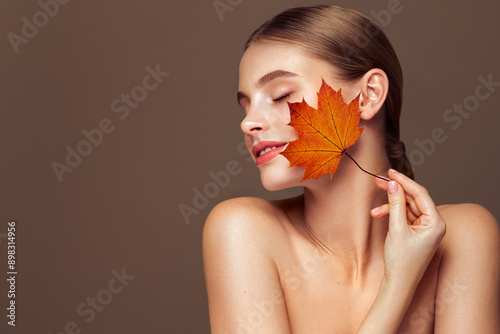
x,y
264,57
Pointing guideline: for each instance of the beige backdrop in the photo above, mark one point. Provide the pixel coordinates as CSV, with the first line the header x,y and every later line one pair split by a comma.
x,y
104,247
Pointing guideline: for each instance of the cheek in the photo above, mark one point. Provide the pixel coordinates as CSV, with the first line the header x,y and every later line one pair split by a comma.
x,y
312,101
248,145
285,115
281,124
349,92
310,95
288,132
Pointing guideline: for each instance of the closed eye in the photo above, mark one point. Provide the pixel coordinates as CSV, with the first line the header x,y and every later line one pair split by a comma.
x,y
282,97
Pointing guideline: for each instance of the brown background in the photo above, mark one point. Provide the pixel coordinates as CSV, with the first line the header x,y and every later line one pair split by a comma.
x,y
120,206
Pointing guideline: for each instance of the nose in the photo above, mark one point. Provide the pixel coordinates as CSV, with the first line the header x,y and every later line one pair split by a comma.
x,y
253,123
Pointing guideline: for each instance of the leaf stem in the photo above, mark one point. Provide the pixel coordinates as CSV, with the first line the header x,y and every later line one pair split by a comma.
x,y
380,177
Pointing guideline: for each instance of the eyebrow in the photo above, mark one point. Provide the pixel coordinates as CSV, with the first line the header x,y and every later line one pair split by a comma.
x,y
265,79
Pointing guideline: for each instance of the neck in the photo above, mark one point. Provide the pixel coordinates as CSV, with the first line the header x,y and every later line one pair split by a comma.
x,y
337,211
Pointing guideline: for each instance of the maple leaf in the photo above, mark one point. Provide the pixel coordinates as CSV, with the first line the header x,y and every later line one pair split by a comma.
x,y
324,134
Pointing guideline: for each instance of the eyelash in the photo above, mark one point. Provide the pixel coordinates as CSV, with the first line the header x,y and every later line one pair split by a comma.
x,y
279,99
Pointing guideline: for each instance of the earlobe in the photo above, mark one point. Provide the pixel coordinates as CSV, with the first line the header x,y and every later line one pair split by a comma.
x,y
374,88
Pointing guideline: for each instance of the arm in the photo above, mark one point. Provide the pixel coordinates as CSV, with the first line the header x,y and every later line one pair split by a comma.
x,y
468,291
243,286
389,308
415,230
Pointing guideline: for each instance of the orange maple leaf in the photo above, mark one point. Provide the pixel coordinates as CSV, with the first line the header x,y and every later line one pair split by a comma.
x,y
324,134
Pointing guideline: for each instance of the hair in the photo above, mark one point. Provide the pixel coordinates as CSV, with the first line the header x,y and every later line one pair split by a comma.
x,y
353,44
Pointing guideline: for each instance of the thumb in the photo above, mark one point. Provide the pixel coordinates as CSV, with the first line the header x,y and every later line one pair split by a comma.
x,y
397,205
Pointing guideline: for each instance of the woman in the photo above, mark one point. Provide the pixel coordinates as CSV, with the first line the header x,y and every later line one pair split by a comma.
x,y
354,253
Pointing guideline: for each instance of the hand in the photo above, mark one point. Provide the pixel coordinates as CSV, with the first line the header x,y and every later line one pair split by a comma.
x,y
415,228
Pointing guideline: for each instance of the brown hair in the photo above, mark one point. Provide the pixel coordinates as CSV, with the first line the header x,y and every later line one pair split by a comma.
x,y
354,45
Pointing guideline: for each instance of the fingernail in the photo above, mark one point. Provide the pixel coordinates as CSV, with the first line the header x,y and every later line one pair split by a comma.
x,y
393,170
375,209
393,187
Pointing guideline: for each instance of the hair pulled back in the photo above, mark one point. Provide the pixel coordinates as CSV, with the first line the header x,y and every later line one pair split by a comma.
x,y
353,44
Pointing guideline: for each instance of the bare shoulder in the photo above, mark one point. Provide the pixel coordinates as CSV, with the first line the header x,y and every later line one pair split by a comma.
x,y
471,223
468,280
240,237
243,207
248,216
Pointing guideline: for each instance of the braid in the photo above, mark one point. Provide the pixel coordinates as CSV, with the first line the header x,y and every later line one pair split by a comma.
x,y
396,154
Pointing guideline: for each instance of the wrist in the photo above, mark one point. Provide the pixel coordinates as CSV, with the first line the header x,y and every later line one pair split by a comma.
x,y
398,284
399,294
390,306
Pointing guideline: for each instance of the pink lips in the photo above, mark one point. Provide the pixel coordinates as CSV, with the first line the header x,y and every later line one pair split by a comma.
x,y
270,154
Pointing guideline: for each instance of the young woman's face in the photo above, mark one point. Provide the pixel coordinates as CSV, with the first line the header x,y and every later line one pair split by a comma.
x,y
272,74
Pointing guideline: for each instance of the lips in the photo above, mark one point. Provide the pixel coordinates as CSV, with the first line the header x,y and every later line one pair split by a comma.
x,y
267,150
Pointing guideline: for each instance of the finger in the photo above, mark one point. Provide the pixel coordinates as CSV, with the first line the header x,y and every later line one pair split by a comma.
x,y
410,216
383,211
382,184
423,201
412,206
410,201
380,211
412,210
397,205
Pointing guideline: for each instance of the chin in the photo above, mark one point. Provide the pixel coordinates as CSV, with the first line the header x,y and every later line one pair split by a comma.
x,y
276,175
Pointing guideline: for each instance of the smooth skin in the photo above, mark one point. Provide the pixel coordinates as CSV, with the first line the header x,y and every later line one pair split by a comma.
x,y
408,267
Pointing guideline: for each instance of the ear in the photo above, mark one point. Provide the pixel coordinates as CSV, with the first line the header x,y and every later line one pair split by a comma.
x,y
374,86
